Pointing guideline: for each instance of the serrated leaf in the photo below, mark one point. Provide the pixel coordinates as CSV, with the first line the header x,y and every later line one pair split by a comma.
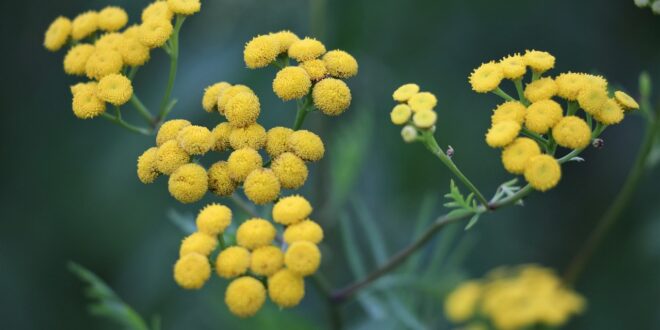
x,y
473,221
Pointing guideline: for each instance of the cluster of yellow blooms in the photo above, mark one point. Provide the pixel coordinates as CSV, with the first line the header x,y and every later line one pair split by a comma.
x,y
415,110
540,118
99,50
514,298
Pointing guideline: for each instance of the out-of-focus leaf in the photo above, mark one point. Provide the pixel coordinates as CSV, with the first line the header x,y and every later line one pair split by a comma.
x,y
423,218
402,313
473,221
372,232
445,241
184,221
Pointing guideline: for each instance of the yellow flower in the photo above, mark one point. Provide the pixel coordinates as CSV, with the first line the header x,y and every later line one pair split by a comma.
x,y
610,114
157,10
316,69
625,100
331,96
516,155
242,162
285,39
572,132
155,32
286,288
211,93
541,89
513,66
510,110
569,85
276,141
261,51
221,136
192,271
112,41
461,303
306,49
188,183
170,129
502,133
290,170
303,258
245,296
115,89
82,86
422,101
213,219
132,32
57,34
400,114
226,95
195,140
147,171
291,83
220,183
171,157
253,136
102,63
425,118
405,92
340,64
112,18
306,145
184,7
542,115
291,210
266,260
261,186
486,78
255,233
76,59
133,52
595,81
201,243
542,172
539,61
232,261
86,104
84,25
307,230
592,99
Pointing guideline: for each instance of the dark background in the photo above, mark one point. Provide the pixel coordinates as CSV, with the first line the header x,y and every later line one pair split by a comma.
x,y
70,192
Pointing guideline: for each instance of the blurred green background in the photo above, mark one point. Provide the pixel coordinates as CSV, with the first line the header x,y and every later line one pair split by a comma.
x,y
71,192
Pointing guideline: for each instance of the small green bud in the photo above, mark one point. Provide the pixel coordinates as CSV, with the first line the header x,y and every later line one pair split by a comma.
x,y
409,133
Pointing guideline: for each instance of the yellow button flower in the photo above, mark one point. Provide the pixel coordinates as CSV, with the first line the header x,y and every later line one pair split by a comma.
x,y
331,96
291,83
253,136
307,230
306,145
425,118
57,34
286,288
405,92
543,172
198,242
572,132
213,219
316,69
221,136
243,109
510,110
220,183
266,260
422,101
211,93
539,61
513,66
541,89
340,64
517,154
610,114
276,141
625,100
291,210
170,129
112,18
102,63
188,183
232,261
85,103
147,170
133,52
225,96
76,58
115,89
184,7
255,233
486,77
261,51
303,258
569,85
262,186
592,99
192,271
195,140
112,41
242,162
502,133
285,39
461,303
171,157
157,10
155,32
245,296
542,115
400,114
290,170
84,25
306,49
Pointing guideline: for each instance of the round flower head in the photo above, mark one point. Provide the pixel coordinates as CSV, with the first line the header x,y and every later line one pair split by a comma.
x,y
611,113
266,260
171,157
115,89
513,66
192,271
542,172
211,93
132,32
572,132
510,110
331,96
569,85
188,183
307,230
400,114
261,51
157,10
486,78
112,41
86,104
276,141
242,162
302,257
286,288
594,81
502,133
112,18
57,34
461,303
422,101
409,134
285,39
133,52
405,92
243,109
220,183
90,85
147,171
170,129
255,233
195,140
221,136
306,49
84,25
291,83
102,63
201,243
592,98
213,219
261,186
184,7
253,136
155,32
425,118
539,61
306,145
232,261
516,155
290,170
291,210
542,115
316,69
541,89
76,59
245,296
340,64
625,100
226,95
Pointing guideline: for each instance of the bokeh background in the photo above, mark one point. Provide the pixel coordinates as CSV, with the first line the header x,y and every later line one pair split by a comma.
x,y
70,192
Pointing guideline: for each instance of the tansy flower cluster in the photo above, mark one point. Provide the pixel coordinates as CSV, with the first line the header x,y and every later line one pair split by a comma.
x,y
415,111
522,297
260,262
529,129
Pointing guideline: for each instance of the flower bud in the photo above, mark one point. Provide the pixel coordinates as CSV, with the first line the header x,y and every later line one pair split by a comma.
x,y
645,82
409,134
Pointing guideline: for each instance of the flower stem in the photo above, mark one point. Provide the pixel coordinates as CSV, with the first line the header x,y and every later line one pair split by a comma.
x,y
499,92
535,136
135,129
303,109
521,93
143,111
173,52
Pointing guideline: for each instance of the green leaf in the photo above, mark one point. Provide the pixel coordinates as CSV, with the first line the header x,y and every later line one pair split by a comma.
x,y
473,221
372,232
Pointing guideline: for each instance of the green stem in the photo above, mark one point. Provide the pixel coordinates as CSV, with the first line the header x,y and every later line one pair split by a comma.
x,y
142,110
499,92
538,138
521,93
301,114
135,129
133,72
173,52
572,108
536,75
